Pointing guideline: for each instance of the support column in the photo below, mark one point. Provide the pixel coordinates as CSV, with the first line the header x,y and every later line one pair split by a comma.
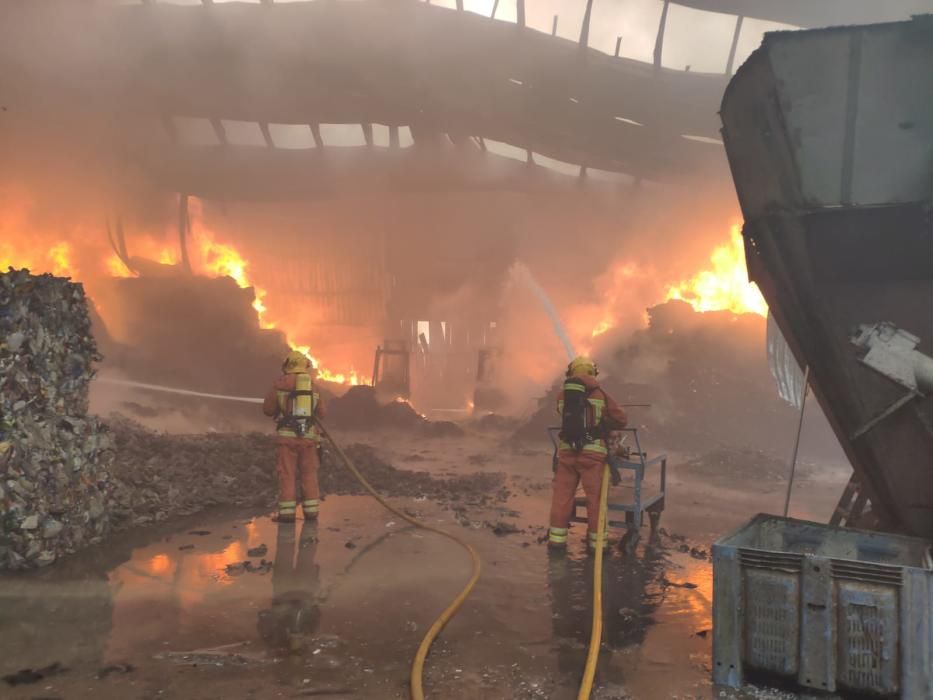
x,y
184,224
659,42
585,30
730,64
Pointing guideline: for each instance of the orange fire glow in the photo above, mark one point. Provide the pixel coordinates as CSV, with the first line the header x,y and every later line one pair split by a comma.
x,y
224,260
725,286
57,259
54,252
159,564
616,285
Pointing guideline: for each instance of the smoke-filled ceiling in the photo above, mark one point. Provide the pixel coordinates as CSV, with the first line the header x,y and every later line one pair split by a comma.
x,y
374,172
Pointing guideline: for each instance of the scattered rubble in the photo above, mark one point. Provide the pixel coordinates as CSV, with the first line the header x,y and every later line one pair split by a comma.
x,y
160,476
246,566
501,528
442,429
494,422
726,465
115,668
390,481
27,675
672,584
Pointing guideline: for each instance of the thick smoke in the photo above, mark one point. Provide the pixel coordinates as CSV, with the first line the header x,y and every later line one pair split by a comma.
x,y
344,270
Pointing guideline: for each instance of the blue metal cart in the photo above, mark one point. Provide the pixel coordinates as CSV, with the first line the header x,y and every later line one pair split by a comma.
x,y
629,457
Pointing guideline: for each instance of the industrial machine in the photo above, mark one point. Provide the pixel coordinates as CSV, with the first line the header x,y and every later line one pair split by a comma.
x,y
829,134
392,368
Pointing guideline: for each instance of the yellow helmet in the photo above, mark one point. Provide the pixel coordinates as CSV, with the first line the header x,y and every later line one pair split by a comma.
x,y
582,365
295,363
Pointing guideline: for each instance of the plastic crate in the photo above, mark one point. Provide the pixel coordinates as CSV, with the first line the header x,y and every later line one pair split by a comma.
x,y
830,608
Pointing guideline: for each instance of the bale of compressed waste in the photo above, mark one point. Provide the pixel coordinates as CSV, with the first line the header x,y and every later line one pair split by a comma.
x,y
47,346
54,459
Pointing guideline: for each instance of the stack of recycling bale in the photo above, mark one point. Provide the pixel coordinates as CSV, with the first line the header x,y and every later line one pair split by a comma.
x,y
55,477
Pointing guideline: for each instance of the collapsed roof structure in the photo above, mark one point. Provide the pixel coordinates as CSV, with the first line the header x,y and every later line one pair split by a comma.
x,y
250,106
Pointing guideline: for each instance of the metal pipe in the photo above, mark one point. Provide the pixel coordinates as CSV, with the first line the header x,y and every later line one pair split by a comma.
x,y
730,63
659,40
184,227
793,459
585,30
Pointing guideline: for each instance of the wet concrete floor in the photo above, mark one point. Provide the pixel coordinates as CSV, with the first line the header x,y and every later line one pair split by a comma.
x,y
337,608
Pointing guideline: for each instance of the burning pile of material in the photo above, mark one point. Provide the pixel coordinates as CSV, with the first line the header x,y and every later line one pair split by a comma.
x,y
192,332
54,458
359,408
706,378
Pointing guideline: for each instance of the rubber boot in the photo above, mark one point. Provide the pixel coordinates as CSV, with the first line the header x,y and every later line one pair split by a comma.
x,y
557,538
310,508
591,543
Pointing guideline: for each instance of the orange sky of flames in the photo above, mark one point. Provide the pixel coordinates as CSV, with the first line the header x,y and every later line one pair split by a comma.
x,y
722,285
725,285
209,257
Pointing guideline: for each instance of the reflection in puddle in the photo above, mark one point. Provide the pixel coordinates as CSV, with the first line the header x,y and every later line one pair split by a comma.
x,y
295,612
350,599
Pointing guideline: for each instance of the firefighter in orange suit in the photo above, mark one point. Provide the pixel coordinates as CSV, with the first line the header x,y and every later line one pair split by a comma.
x,y
295,404
588,414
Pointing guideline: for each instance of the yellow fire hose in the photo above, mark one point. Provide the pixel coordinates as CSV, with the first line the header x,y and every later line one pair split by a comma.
x,y
592,654
417,666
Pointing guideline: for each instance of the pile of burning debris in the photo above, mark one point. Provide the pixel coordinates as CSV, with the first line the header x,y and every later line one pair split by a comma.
x,y
54,458
705,378
359,408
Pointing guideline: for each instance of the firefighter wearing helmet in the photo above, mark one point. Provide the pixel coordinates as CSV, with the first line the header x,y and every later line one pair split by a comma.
x,y
588,414
294,404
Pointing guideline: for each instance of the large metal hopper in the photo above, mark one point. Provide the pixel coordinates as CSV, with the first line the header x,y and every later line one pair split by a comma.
x,y
829,135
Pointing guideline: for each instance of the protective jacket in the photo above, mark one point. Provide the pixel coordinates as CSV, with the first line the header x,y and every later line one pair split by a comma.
x,y
603,414
294,404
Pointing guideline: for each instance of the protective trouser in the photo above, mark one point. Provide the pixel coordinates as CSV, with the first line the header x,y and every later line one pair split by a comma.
x,y
572,469
297,457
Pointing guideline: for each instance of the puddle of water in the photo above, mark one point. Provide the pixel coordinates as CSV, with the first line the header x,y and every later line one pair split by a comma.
x,y
346,603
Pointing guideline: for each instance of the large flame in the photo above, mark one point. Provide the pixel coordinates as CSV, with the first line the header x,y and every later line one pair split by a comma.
x,y
615,284
44,251
224,260
725,286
